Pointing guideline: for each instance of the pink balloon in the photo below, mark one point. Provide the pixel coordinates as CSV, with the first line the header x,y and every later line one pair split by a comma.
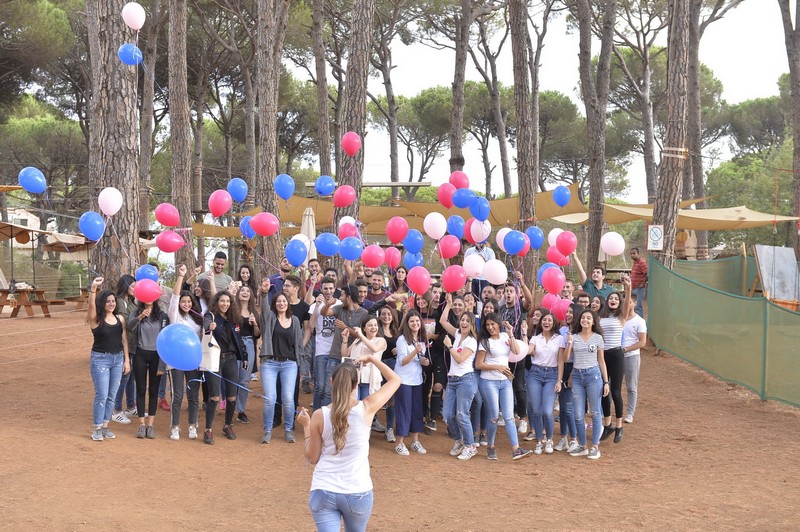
x,y
561,307
612,243
523,352
445,195
449,246
566,243
147,291
419,280
495,271
474,264
110,201
373,256
468,230
392,257
219,202
344,196
527,247
265,224
500,236
554,255
169,241
397,229
133,15
459,179
351,143
553,280
346,230
435,225
168,215
453,278
549,299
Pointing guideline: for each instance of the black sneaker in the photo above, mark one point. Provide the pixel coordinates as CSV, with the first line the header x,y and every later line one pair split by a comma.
x,y
227,430
208,437
305,386
607,431
242,417
618,434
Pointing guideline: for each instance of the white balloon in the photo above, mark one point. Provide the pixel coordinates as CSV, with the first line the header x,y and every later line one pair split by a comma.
x,y
347,220
501,235
495,272
480,231
435,225
110,201
303,238
552,236
133,15
612,243
473,265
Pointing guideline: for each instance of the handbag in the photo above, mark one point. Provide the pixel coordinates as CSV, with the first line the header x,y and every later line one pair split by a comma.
x,y
211,352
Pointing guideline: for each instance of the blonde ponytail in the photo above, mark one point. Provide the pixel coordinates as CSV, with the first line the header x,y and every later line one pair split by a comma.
x,y
345,377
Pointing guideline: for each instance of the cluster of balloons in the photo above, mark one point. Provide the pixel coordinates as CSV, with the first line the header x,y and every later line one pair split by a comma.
x,y
133,15
91,223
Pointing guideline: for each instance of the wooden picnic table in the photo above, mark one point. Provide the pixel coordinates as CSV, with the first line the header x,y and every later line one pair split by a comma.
x,y
81,299
24,298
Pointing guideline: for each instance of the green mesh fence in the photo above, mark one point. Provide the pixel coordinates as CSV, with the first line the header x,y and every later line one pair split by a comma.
x,y
749,341
733,275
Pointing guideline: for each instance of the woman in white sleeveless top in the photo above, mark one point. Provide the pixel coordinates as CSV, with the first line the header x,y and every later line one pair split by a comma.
x,y
337,441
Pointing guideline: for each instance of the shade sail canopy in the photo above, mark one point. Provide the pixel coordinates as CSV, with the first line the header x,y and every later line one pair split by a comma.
x,y
9,188
9,230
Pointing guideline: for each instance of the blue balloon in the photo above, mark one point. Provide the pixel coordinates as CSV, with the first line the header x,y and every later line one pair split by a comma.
x,y
284,186
129,54
237,188
561,195
414,241
324,185
514,241
244,227
455,226
179,347
463,198
412,259
327,244
32,180
480,209
542,268
296,252
147,271
536,236
351,248
92,226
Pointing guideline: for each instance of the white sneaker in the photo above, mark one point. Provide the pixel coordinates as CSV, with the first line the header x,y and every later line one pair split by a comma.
x,y
458,446
573,445
254,377
390,435
539,448
192,432
401,449
628,418
131,412
418,448
548,447
467,452
121,418
557,407
562,445
175,433
501,422
523,427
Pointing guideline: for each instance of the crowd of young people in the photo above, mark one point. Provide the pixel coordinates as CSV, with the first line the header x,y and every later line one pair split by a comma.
x,y
477,359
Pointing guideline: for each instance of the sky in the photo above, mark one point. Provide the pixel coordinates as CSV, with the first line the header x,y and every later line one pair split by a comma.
x,y
745,50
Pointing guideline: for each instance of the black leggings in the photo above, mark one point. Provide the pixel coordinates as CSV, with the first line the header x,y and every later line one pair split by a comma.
x,y
229,370
615,366
144,363
433,374
520,390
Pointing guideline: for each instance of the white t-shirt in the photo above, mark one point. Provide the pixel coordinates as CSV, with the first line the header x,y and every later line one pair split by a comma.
x,y
497,355
630,333
324,328
546,354
411,373
459,370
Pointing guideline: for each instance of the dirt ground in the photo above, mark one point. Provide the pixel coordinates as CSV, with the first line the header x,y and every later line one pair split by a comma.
x,y
702,454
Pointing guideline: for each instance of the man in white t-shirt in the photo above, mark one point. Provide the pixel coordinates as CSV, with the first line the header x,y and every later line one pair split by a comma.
x,y
324,328
634,337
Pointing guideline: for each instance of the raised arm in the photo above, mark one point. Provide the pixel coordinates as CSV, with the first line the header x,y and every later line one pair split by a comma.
x,y
526,292
91,312
581,271
444,319
626,301
181,273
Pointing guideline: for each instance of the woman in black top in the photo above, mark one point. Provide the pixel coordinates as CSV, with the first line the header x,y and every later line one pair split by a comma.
x,y
144,324
250,332
224,320
109,357
388,324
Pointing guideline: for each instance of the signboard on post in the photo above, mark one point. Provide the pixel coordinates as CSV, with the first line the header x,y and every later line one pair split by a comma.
x,y
655,238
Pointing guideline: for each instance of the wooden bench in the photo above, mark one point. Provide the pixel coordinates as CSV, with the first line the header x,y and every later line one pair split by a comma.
x,y
21,298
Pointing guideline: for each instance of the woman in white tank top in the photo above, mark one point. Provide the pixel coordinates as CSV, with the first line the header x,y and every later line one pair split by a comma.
x,y
337,441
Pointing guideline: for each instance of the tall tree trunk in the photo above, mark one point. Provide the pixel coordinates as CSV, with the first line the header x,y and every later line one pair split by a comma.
x,y
648,127
392,126
694,121
355,97
250,133
179,120
526,147
320,64
672,166
113,154
791,32
270,33
461,44
595,97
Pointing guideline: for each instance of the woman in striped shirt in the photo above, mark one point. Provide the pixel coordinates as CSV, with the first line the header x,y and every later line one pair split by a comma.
x,y
613,316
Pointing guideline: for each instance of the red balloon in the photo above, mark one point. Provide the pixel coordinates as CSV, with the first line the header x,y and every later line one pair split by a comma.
x,y
445,195
373,256
459,179
397,229
549,299
351,143
554,255
454,278
553,280
527,247
449,246
392,257
561,307
419,280
219,202
344,196
468,230
346,230
566,243
265,224
167,214
147,291
169,241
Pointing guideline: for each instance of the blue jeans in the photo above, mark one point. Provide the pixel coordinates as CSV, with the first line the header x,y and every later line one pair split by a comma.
x,y
329,508
587,384
499,396
244,374
127,387
457,403
640,292
567,413
541,382
271,371
106,371
478,412
323,371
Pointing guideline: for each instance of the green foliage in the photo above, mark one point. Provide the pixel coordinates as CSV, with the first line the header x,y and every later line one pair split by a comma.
x,y
74,275
758,125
